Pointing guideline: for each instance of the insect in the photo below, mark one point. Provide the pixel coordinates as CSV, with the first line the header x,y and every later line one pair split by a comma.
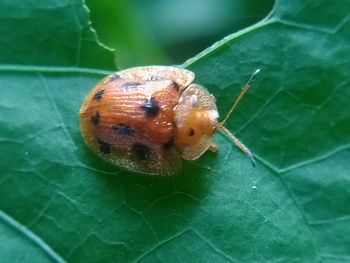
x,y
146,119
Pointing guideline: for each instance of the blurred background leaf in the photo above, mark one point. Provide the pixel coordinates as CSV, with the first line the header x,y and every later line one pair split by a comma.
x,y
169,32
61,203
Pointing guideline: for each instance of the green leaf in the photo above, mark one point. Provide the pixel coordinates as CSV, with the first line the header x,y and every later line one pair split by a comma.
x,y
61,203
50,33
119,24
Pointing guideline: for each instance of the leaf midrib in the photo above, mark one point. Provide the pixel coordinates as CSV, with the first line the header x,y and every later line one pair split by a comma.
x,y
53,69
36,240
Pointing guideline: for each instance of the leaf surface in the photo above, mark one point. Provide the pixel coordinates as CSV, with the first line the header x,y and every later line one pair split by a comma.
x,y
60,203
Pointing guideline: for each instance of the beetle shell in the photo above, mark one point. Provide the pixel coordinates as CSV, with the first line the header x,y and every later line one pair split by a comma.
x,y
145,119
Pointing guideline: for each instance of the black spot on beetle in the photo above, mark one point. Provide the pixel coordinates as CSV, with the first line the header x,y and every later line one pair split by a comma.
x,y
96,118
115,77
192,132
151,107
176,86
98,95
123,129
105,147
131,84
142,151
153,77
169,144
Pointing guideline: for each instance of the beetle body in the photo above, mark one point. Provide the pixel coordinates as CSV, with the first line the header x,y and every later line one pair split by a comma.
x,y
146,119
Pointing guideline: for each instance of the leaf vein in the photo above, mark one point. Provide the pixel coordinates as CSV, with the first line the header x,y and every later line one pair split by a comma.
x,y
31,236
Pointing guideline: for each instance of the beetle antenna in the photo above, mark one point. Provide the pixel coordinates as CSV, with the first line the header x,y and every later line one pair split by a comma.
x,y
233,138
239,144
240,96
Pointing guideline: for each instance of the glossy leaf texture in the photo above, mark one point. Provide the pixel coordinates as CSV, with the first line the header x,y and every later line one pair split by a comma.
x,y
50,33
61,203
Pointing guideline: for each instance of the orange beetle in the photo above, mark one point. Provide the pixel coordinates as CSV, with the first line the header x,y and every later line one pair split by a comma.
x,y
145,119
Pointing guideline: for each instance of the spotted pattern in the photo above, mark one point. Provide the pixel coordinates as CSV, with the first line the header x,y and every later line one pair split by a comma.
x,y
131,84
105,147
141,150
123,129
169,144
96,118
192,132
98,95
176,86
151,107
